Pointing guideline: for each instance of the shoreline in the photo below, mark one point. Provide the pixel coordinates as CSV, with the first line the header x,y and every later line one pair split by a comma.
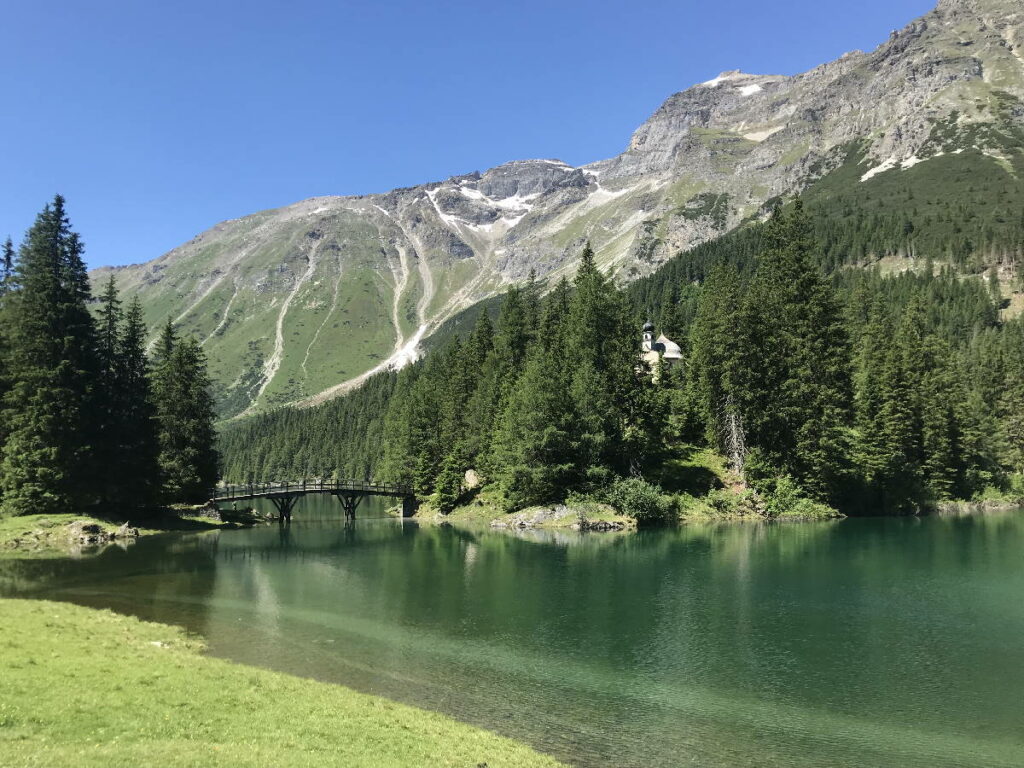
x,y
65,664
40,536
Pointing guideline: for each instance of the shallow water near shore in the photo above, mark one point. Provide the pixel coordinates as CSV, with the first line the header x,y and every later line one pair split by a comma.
x,y
863,642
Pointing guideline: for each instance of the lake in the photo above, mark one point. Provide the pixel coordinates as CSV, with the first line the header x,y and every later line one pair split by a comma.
x,y
866,642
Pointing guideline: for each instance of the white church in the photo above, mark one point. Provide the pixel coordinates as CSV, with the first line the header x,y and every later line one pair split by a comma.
x,y
662,349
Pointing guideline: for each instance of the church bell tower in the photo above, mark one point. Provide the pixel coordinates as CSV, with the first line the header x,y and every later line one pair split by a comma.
x,y
648,336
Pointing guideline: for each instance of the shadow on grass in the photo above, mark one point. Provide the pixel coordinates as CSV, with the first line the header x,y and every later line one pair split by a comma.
x,y
171,519
691,470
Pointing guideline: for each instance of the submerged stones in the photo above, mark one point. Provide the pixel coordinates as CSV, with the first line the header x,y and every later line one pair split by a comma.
x,y
87,533
561,516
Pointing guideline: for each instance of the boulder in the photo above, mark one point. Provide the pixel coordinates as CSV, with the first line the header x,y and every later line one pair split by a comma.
x,y
84,532
472,480
126,532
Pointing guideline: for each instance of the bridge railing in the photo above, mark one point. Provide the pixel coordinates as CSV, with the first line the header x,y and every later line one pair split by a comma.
x,y
243,490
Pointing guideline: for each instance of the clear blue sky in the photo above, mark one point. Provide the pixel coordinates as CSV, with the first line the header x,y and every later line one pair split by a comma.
x,y
157,120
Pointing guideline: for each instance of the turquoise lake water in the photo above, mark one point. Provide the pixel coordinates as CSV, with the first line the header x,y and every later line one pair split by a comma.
x,y
868,642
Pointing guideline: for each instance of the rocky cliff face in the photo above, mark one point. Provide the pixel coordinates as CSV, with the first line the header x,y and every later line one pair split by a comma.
x,y
300,303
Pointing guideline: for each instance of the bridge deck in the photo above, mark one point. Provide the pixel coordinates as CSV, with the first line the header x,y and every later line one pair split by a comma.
x,y
278,490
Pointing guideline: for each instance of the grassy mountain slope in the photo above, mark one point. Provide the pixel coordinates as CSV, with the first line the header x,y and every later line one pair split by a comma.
x,y
911,149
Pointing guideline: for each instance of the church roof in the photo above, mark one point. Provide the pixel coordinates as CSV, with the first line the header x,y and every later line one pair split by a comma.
x,y
669,348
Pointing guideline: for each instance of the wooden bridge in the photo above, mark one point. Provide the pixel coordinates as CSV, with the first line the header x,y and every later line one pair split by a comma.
x,y
285,495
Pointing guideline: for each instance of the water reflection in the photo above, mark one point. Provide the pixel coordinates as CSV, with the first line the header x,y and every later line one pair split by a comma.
x,y
864,642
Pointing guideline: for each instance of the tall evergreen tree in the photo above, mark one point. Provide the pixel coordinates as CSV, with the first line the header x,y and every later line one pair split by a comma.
x,y
6,289
796,379
715,352
186,417
108,410
533,458
134,425
6,267
47,458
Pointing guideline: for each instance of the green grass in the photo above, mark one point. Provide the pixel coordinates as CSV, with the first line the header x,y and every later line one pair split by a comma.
x,y
40,536
80,687
692,470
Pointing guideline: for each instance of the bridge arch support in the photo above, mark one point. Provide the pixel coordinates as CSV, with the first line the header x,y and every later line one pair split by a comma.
x,y
349,501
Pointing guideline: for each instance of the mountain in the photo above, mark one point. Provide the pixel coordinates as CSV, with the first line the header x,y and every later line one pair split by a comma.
x,y
297,304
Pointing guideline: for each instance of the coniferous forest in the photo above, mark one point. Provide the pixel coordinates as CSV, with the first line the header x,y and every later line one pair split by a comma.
x,y
89,420
863,392
852,390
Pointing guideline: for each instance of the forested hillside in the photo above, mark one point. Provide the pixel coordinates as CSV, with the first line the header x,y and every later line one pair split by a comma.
x,y
868,391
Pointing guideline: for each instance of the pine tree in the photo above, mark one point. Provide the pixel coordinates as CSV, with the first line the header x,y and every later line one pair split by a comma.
x,y
796,376
47,458
941,429
395,461
6,267
185,414
6,291
465,369
108,331
138,446
533,457
609,393
715,352
874,455
1011,399
109,411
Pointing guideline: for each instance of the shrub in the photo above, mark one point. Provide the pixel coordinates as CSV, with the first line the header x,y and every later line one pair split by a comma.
x,y
643,501
787,499
725,502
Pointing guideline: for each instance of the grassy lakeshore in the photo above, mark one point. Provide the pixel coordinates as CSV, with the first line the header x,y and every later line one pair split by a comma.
x,y
60,535
92,688
485,512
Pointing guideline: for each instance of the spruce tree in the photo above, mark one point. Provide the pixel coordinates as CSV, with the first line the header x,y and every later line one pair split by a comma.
x,y
610,394
465,370
138,446
109,411
534,460
6,267
715,352
1011,399
185,414
47,460
395,460
874,453
6,290
796,376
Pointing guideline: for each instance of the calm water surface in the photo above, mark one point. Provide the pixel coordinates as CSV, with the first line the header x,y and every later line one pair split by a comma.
x,y
884,642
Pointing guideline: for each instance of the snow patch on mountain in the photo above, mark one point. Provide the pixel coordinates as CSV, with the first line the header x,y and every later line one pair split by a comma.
x,y
723,78
764,135
886,165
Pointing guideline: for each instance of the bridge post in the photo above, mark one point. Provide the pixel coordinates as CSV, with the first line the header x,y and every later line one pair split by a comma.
x,y
284,505
409,506
349,501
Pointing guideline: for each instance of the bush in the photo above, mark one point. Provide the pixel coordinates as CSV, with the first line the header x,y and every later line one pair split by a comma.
x,y
1011,489
725,502
787,499
642,501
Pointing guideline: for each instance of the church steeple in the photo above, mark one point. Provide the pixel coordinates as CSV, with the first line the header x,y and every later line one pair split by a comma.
x,y
648,344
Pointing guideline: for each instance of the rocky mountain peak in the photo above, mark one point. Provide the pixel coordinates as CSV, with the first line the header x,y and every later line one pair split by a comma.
x,y
524,178
306,316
